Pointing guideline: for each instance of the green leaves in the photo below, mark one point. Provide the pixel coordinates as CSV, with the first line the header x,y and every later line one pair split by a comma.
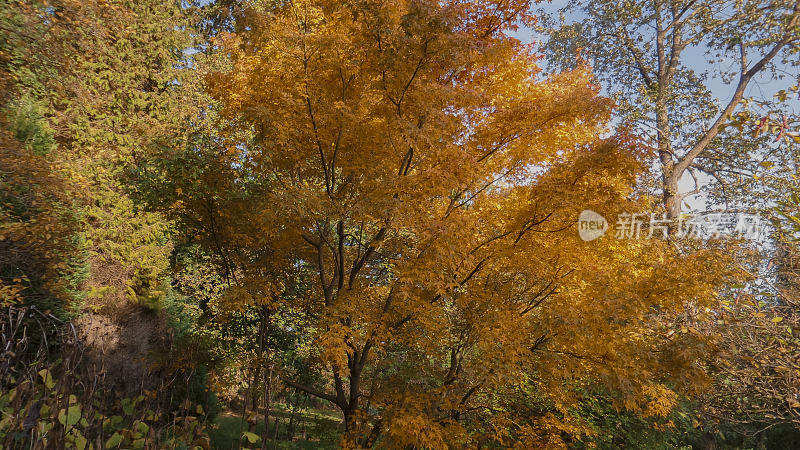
x,y
127,406
30,126
251,437
80,442
114,440
47,378
70,416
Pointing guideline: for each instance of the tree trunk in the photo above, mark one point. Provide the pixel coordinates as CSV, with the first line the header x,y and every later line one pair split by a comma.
x,y
295,404
349,418
669,176
267,408
672,198
262,331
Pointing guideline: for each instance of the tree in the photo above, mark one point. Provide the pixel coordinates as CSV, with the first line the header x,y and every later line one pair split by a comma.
x,y
687,73
94,89
412,166
758,387
109,83
647,53
88,88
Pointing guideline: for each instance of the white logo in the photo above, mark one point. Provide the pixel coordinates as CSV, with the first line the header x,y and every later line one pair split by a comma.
x,y
591,225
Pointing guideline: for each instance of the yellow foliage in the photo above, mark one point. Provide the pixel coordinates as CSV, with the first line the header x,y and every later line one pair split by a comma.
x,y
425,180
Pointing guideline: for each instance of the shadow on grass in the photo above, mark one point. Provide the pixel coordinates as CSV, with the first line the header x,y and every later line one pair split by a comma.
x,y
313,429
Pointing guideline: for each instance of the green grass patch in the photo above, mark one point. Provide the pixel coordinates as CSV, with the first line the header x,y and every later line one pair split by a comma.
x,y
313,429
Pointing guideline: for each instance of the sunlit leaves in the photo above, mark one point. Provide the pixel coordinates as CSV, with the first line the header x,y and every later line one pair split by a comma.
x,y
424,183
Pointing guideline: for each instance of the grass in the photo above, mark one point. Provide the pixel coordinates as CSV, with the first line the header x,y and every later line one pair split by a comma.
x,y
314,428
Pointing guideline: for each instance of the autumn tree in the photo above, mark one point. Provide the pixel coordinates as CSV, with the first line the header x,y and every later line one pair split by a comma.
x,y
665,60
692,76
415,168
91,88
108,82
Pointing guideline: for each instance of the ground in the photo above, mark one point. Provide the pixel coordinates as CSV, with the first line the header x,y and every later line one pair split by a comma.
x,y
313,429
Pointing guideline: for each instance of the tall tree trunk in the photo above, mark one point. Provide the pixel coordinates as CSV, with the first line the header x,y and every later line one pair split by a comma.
x,y
262,331
669,175
356,366
303,422
267,407
349,418
671,197
295,404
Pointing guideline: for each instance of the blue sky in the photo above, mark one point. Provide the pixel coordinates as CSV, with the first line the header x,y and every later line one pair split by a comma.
x,y
763,86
